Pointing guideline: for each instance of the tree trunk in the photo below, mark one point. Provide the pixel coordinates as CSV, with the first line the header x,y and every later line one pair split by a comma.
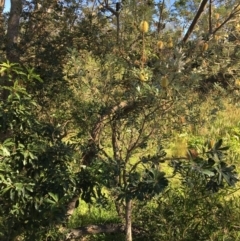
x,y
195,20
128,220
2,2
12,52
13,30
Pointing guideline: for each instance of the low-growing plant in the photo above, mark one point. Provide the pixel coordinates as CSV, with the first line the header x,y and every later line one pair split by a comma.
x,y
198,209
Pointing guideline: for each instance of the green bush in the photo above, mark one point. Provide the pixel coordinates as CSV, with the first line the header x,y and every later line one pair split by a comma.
x,y
36,180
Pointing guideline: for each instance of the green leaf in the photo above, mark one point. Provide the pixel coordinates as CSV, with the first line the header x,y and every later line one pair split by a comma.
x,y
8,142
12,195
207,172
5,151
53,196
29,188
225,148
5,190
49,201
217,144
18,186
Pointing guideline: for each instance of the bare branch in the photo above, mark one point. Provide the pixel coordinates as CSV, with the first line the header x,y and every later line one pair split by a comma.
x,y
195,20
210,17
235,11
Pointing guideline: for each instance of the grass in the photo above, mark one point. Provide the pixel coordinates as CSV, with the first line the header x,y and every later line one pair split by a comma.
x,y
93,214
87,214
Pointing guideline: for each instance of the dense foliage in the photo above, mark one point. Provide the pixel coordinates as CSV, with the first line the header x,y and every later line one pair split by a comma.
x,y
93,94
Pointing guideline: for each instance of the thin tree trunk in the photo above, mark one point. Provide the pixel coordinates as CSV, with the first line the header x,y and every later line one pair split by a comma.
x,y
128,220
195,20
12,52
13,31
2,3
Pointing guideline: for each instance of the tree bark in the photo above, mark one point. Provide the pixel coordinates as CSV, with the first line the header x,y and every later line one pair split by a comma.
x,y
12,52
128,220
2,4
13,31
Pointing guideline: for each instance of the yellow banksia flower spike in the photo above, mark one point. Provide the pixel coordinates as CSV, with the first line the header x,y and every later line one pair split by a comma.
x,y
160,44
143,76
216,37
170,43
144,26
164,82
217,16
237,27
205,47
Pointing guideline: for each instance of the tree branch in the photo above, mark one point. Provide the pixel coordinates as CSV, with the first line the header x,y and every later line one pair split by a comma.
x,y
195,20
210,17
231,15
101,228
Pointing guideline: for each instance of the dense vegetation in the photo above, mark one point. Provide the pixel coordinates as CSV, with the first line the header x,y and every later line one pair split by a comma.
x,y
119,120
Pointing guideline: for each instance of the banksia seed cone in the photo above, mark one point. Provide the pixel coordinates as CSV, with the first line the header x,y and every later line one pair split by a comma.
x,y
164,82
205,47
182,120
211,143
144,58
144,26
191,154
160,44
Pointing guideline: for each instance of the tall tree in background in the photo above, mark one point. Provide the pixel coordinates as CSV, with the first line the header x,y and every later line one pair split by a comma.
x,y
2,29
13,28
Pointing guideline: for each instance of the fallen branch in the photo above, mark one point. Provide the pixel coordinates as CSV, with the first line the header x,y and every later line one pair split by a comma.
x,y
101,228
